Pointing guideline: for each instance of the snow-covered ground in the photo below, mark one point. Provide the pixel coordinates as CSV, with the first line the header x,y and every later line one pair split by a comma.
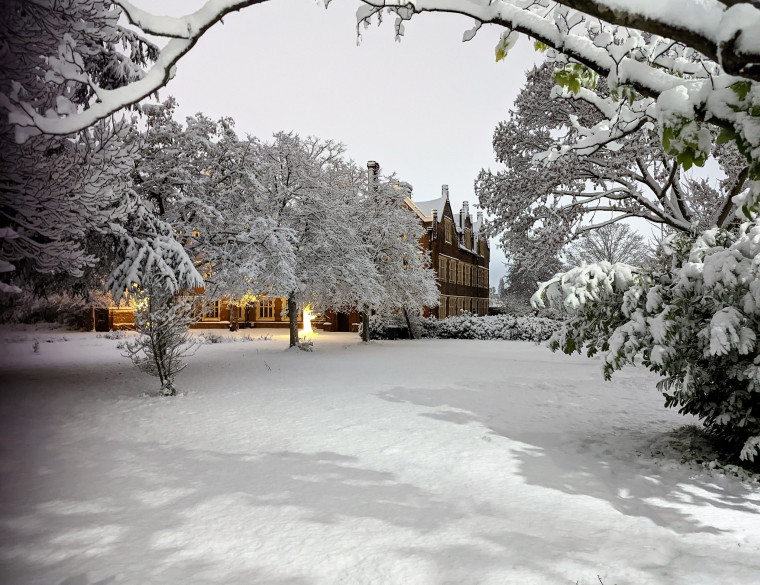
x,y
393,463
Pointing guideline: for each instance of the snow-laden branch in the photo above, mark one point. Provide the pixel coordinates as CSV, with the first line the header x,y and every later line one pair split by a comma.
x,y
729,35
674,64
70,67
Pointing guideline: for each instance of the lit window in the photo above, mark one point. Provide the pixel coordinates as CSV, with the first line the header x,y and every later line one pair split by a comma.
x,y
265,310
211,311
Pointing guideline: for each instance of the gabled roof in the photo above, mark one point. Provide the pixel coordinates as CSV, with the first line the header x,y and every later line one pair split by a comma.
x,y
424,209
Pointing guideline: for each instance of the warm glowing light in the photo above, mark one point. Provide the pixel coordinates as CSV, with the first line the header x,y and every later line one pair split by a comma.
x,y
307,317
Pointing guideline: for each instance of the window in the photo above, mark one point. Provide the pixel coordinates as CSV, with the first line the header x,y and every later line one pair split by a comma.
x,y
265,310
441,269
468,239
449,230
452,270
211,311
467,274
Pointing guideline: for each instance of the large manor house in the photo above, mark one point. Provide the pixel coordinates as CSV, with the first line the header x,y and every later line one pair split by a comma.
x,y
459,254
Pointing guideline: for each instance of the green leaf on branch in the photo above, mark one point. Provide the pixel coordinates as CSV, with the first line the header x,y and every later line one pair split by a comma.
x,y
506,42
726,136
741,89
540,47
574,76
682,140
624,92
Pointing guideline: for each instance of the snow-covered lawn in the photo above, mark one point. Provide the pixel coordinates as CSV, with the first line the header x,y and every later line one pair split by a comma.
x,y
395,463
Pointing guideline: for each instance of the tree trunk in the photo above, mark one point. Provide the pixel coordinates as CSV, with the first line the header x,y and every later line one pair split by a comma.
x,y
365,324
293,316
234,317
408,324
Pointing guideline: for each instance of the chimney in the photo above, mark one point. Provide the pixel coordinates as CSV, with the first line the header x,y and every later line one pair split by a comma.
x,y
465,211
480,217
445,191
373,175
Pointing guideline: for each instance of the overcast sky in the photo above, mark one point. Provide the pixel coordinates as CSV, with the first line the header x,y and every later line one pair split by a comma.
x,y
425,108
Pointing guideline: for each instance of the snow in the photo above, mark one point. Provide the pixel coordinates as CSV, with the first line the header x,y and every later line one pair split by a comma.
x,y
355,464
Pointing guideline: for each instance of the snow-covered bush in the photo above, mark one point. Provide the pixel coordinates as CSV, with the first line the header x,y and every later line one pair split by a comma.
x,y
65,309
162,319
521,328
694,320
118,334
305,344
466,326
393,326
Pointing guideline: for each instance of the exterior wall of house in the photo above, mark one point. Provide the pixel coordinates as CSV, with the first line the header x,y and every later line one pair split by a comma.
x,y
215,315
461,262
112,319
266,312
338,321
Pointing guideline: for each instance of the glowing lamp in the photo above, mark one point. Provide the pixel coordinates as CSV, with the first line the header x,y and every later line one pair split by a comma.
x,y
307,318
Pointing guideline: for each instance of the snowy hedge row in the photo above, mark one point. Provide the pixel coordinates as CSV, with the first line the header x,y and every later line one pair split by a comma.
x,y
521,328
467,326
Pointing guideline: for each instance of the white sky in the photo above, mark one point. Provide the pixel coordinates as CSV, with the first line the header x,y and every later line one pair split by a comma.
x,y
424,108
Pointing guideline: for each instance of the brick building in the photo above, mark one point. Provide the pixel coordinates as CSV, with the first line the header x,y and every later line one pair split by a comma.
x,y
459,253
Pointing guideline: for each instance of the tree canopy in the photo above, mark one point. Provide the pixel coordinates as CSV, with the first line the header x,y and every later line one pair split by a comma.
x,y
674,67
539,206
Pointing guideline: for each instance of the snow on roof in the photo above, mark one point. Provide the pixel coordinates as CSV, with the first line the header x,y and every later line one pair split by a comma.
x,y
425,208
478,225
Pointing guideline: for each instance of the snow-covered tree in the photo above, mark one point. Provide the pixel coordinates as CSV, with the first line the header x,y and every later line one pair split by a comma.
x,y
68,207
162,318
201,179
518,285
694,320
540,206
61,62
290,217
392,232
306,187
66,203
615,242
